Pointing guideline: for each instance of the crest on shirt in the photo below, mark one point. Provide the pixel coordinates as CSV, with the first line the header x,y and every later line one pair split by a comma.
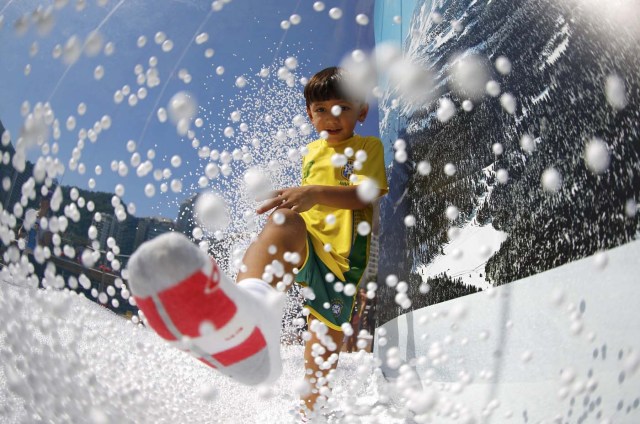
x,y
336,307
347,170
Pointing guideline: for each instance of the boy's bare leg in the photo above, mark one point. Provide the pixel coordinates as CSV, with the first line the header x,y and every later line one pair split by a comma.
x,y
350,342
290,236
313,370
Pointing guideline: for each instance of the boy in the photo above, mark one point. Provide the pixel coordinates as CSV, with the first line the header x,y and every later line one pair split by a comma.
x,y
235,328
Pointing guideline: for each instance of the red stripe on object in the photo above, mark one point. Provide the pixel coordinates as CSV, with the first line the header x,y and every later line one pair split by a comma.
x,y
254,344
196,299
204,361
148,307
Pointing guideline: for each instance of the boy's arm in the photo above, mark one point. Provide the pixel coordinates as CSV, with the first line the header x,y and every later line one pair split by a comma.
x,y
303,198
339,197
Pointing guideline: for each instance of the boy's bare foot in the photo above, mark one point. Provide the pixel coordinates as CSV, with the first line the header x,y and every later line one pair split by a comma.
x,y
189,302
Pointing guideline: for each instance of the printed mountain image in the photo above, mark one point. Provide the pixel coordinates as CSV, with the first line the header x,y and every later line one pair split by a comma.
x,y
533,164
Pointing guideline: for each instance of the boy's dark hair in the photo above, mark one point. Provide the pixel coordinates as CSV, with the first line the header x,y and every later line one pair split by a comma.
x,y
329,84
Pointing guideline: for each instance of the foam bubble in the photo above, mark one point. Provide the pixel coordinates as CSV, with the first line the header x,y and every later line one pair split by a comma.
x,y
616,92
424,168
450,169
551,180
181,107
508,102
211,212
452,213
597,156
469,75
503,65
368,190
446,109
335,13
362,19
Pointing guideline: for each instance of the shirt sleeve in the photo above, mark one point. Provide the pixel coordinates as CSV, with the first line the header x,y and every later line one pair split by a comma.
x,y
373,168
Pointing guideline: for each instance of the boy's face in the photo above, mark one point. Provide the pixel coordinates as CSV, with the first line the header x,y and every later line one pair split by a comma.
x,y
338,127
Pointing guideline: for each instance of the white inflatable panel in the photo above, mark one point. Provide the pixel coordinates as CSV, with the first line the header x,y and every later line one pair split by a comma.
x,y
560,346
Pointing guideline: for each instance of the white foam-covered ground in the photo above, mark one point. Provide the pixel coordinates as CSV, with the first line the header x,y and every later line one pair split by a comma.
x,y
68,359
560,346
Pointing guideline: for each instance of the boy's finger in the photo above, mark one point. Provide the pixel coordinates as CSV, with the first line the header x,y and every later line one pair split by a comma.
x,y
268,195
268,205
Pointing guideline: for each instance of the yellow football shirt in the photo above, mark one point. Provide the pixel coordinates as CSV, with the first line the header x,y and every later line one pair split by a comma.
x,y
318,169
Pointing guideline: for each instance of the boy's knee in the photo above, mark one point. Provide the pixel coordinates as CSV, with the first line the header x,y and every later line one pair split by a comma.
x,y
290,219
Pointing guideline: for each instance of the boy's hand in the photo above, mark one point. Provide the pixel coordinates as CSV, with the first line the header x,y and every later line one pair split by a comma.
x,y
298,199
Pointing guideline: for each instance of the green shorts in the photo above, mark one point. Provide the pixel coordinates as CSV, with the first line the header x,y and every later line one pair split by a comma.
x,y
329,306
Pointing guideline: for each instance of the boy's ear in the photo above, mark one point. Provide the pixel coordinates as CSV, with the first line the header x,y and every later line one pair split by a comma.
x,y
309,113
364,110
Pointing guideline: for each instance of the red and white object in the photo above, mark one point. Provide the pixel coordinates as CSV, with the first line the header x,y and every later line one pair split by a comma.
x,y
188,301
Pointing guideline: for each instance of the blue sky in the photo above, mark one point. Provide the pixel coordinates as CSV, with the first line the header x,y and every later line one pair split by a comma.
x,y
245,35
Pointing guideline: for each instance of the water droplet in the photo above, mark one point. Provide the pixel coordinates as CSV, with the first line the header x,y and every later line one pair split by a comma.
x,y
497,148
527,143
601,259
424,168
502,176
72,50
93,44
335,13
616,92
469,75
211,212
446,110
452,213
109,48
493,88
458,26
202,38
503,65
162,114
631,208
364,228
450,169
597,156
208,392
98,72
295,19
509,103
167,46
182,106
368,191
551,180
349,289
409,221
176,186
241,82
